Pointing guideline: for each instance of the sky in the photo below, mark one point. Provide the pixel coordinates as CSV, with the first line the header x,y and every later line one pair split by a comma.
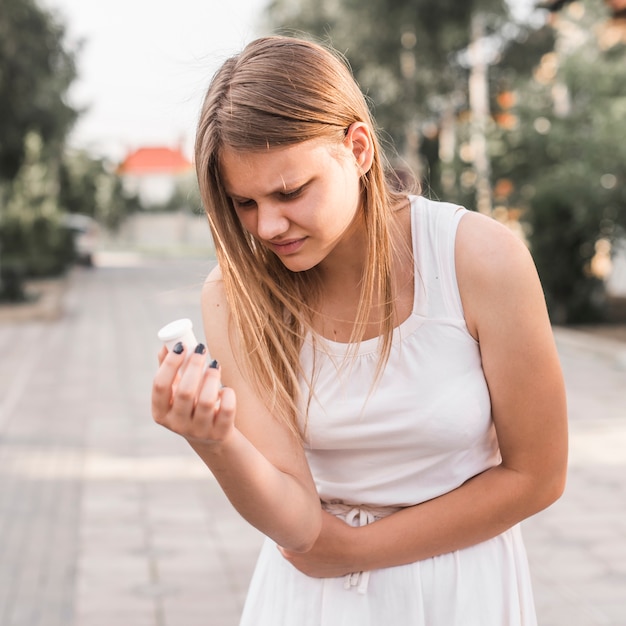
x,y
144,66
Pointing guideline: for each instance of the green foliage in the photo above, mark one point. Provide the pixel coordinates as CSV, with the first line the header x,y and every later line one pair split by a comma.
x,y
39,180
89,186
567,159
32,237
36,69
37,247
564,230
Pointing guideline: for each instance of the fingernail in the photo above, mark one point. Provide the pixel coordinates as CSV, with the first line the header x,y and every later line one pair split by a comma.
x,y
200,349
214,364
178,348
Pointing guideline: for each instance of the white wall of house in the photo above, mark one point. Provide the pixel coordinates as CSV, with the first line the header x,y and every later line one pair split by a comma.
x,y
151,188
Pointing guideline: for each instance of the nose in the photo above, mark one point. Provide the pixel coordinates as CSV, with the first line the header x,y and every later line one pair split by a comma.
x,y
271,221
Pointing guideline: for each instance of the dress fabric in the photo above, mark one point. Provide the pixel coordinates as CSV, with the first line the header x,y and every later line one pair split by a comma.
x,y
423,429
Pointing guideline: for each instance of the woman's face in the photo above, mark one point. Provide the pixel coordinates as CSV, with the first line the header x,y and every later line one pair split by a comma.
x,y
300,201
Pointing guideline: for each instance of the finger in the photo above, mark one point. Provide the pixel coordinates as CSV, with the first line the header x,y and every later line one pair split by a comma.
x,y
188,387
225,417
163,382
214,372
209,396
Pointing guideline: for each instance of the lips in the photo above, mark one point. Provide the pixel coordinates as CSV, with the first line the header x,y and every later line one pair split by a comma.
x,y
286,247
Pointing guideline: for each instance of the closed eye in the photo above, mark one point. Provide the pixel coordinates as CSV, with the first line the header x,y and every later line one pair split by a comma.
x,y
283,196
240,203
291,195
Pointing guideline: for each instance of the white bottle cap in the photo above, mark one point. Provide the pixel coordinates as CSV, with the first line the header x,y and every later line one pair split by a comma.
x,y
179,330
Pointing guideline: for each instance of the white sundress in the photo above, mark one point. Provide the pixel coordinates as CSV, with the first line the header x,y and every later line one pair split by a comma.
x,y
424,430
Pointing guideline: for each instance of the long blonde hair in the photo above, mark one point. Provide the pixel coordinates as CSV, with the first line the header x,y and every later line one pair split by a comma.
x,y
280,91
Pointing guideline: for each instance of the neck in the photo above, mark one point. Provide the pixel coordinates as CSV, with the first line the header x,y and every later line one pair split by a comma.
x,y
344,267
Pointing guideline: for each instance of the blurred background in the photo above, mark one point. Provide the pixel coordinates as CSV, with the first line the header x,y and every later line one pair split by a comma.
x,y
514,108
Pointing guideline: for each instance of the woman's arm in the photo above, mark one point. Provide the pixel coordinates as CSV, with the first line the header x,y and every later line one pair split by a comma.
x,y
258,463
505,311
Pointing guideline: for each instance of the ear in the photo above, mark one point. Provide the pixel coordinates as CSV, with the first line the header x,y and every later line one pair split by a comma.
x,y
359,141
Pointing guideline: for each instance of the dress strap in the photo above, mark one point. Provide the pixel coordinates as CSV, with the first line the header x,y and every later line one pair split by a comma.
x,y
434,226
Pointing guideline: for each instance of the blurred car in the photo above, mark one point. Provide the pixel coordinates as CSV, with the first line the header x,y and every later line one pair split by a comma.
x,y
84,230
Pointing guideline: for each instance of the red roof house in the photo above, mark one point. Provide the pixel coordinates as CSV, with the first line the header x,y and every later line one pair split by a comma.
x,y
154,172
153,160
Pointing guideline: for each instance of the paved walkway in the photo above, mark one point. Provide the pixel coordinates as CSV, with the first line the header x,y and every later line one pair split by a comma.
x,y
577,547
107,519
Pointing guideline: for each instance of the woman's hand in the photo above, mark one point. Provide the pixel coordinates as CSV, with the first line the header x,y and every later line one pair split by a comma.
x,y
330,555
189,400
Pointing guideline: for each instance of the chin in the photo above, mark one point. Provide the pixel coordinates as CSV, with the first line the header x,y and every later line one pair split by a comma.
x,y
296,268
298,265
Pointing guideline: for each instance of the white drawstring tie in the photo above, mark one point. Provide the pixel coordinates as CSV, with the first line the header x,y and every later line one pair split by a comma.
x,y
358,516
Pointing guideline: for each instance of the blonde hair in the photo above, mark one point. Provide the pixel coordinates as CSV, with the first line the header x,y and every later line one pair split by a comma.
x,y
281,91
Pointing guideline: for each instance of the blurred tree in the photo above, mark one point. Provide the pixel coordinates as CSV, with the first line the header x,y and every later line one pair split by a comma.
x,y
33,239
36,70
39,179
566,159
90,186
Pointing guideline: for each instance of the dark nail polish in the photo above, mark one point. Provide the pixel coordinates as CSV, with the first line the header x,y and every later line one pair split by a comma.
x,y
178,348
200,349
214,364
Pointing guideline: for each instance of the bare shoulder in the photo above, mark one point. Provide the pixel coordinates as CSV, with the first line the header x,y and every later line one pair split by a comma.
x,y
224,345
213,298
496,273
489,250
216,323
213,288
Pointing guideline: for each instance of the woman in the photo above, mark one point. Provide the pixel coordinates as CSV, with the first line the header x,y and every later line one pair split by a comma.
x,y
393,404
